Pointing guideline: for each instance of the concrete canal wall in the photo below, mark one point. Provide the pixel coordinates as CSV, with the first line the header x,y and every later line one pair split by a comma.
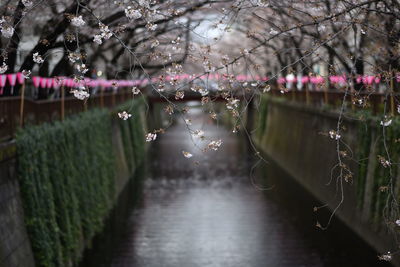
x,y
294,136
20,243
15,248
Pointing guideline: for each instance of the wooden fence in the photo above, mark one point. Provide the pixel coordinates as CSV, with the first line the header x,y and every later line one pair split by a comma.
x,y
16,112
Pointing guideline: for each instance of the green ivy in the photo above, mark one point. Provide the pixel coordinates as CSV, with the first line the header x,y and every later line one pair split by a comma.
x,y
132,132
381,174
66,174
262,117
363,153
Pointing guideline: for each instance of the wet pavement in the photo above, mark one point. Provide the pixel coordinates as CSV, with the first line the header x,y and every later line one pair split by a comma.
x,y
206,211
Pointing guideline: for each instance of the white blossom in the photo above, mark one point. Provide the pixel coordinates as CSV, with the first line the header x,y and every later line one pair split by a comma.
x,y
225,60
73,57
155,43
203,91
384,162
26,74
7,31
77,21
232,103
27,3
135,90
124,115
82,68
334,135
132,13
273,32
214,145
386,122
80,93
245,52
321,28
179,95
37,58
151,26
98,39
187,154
144,3
397,222
105,34
267,88
105,31
260,3
198,134
151,137
3,68
386,257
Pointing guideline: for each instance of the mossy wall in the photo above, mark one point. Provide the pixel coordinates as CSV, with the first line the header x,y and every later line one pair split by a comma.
x,y
68,176
294,135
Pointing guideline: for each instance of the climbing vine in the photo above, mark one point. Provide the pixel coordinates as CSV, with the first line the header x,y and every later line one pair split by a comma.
x,y
66,174
262,117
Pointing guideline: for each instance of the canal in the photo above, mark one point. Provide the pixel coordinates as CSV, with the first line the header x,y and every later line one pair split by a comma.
x,y
209,211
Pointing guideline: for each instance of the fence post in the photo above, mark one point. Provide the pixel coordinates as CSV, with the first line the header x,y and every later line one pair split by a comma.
x,y
62,103
113,98
307,96
21,109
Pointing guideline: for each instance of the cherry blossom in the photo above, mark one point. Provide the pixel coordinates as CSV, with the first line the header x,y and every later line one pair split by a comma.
x,y
187,154
386,122
214,145
77,21
37,58
386,257
334,135
26,74
80,93
132,13
124,115
3,68
27,3
135,90
151,137
7,31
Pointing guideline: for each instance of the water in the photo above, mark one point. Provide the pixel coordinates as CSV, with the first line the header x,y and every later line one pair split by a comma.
x,y
209,213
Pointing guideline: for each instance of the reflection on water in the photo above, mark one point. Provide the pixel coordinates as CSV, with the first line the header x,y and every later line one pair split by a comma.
x,y
207,213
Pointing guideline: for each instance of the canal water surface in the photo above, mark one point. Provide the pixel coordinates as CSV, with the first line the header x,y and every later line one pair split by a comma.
x,y
208,211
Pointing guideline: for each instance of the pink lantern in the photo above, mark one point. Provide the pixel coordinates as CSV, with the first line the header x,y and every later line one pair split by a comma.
x,y
20,78
241,78
55,84
43,82
305,79
334,79
281,80
12,80
3,80
36,81
49,83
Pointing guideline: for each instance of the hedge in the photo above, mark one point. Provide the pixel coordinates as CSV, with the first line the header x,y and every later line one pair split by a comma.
x,y
66,175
